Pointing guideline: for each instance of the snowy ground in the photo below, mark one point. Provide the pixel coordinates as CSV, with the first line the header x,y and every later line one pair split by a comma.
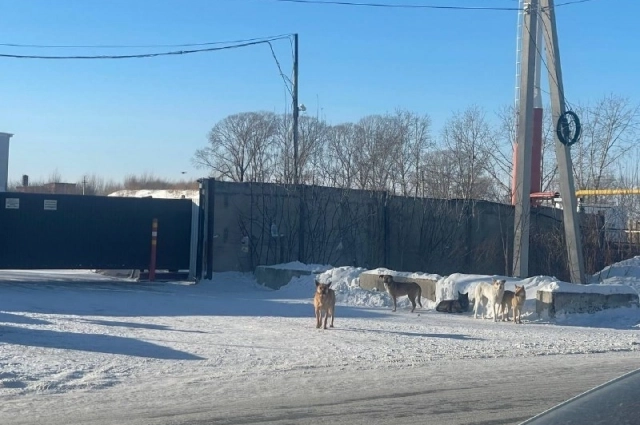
x,y
73,333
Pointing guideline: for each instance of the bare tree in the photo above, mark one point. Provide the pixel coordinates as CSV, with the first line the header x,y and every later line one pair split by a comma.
x,y
377,139
240,147
313,136
54,177
609,131
342,153
469,139
412,143
436,175
284,150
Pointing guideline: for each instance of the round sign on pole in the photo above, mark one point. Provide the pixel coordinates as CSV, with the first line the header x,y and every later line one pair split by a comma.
x,y
568,128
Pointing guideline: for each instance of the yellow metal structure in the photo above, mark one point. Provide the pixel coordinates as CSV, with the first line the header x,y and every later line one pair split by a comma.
x,y
605,192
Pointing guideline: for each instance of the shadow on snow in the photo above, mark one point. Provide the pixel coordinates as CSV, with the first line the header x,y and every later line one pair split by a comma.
x,y
96,343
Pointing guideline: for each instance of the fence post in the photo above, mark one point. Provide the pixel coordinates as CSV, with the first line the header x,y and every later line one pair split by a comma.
x,y
154,245
301,223
386,237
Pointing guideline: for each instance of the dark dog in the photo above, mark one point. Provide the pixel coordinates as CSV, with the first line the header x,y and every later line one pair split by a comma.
x,y
461,305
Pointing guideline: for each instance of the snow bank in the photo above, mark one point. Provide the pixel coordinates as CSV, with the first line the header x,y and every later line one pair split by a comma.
x,y
297,265
447,288
615,318
627,268
194,195
408,275
345,281
608,289
625,272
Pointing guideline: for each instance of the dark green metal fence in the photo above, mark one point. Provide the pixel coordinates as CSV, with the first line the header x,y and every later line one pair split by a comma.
x,y
41,231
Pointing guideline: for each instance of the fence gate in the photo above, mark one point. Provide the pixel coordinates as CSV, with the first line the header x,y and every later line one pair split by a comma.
x,y
41,231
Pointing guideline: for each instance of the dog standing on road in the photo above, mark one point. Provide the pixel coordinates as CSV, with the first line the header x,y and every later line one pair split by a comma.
x,y
324,301
517,303
400,289
505,305
485,294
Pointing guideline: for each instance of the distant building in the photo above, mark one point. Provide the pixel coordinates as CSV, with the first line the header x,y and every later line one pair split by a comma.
x,y
53,188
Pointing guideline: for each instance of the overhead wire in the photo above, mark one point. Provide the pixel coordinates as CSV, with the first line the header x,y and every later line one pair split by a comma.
x,y
568,3
146,55
137,46
414,5
287,81
398,5
542,58
544,62
228,45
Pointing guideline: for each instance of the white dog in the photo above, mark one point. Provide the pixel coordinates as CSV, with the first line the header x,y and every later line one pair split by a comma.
x,y
489,293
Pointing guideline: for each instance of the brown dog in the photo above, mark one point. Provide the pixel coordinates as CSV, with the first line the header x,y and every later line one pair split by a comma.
x,y
505,306
324,301
517,303
400,289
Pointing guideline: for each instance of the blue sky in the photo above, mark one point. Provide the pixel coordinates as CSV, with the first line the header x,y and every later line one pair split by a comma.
x,y
117,117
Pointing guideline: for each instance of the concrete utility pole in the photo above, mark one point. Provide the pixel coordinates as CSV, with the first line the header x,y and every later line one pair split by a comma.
x,y
4,161
572,232
296,110
525,141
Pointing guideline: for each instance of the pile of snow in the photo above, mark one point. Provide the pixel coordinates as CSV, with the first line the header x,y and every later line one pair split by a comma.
x,y
346,282
298,266
614,318
194,195
625,268
408,275
608,289
625,272
447,288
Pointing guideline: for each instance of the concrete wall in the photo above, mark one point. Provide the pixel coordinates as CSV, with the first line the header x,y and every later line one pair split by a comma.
x,y
373,282
277,278
263,223
552,303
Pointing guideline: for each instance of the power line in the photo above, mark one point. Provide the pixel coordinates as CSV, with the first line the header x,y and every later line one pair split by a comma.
x,y
553,79
287,80
397,6
415,6
147,55
572,2
133,46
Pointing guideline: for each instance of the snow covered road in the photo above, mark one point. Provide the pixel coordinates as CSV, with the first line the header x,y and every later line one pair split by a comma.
x,y
77,345
489,391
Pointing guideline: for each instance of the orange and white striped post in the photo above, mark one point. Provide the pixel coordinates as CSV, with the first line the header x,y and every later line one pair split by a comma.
x,y
154,245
